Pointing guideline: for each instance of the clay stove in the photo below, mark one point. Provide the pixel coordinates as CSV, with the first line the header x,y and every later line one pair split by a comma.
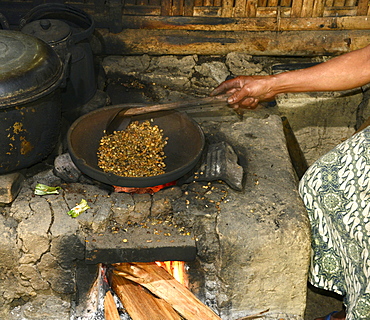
x,y
247,250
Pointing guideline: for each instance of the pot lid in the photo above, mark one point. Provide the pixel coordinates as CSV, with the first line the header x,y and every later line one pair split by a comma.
x,y
30,68
51,31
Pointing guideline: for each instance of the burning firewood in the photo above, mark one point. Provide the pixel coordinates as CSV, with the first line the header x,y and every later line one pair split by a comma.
x,y
110,308
141,304
159,282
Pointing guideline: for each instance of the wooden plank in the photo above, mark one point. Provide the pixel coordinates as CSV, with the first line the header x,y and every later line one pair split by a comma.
x,y
142,2
329,3
362,7
188,8
251,8
353,23
166,7
142,10
339,3
208,3
216,23
285,12
273,3
154,3
140,304
267,12
163,285
262,3
177,8
318,8
325,23
239,8
129,3
296,8
184,42
339,11
307,8
110,308
207,11
227,8
285,3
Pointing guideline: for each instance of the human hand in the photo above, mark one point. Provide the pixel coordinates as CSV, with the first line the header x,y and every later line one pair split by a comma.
x,y
247,91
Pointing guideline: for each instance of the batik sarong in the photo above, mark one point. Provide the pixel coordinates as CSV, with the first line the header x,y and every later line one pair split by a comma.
x,y
336,193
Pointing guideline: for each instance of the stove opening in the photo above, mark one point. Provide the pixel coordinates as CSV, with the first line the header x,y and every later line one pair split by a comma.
x,y
144,290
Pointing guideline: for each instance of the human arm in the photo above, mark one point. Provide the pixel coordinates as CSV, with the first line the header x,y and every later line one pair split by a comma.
x,y
344,72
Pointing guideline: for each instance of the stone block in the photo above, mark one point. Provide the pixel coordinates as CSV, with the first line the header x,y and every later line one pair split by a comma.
x,y
242,64
61,280
20,207
65,169
43,307
145,242
34,232
320,120
10,184
141,211
263,232
123,206
102,214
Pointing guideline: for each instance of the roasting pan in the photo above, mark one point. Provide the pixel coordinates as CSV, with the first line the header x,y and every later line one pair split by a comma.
x,y
183,150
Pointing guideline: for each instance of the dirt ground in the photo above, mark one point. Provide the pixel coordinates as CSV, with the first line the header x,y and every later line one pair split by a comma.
x,y
321,303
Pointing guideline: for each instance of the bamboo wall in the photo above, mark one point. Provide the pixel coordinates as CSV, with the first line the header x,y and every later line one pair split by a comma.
x,y
247,8
266,27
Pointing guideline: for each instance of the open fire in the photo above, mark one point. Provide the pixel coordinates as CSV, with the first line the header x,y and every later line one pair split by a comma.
x,y
177,269
150,190
140,291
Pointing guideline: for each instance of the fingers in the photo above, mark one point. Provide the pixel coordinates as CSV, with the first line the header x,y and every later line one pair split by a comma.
x,y
226,86
246,91
242,97
246,103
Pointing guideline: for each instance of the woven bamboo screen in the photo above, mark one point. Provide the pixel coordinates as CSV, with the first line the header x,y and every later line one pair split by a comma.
x,y
248,8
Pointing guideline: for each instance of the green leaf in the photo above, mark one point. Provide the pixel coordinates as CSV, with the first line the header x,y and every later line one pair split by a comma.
x,y
43,189
77,210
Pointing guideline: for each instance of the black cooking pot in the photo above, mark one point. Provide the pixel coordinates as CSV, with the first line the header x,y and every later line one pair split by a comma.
x,y
30,109
67,29
183,150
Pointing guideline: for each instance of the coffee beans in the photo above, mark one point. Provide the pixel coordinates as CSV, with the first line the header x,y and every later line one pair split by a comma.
x,y
138,151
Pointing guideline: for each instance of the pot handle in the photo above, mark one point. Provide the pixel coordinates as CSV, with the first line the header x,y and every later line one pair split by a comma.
x,y
66,70
4,24
63,12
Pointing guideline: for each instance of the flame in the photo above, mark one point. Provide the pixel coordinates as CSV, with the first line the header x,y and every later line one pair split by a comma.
x,y
150,190
177,269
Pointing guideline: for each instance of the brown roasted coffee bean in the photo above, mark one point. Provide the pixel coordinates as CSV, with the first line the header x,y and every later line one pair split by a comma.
x,y
138,151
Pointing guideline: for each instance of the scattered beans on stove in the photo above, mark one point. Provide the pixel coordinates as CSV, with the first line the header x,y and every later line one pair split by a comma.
x,y
137,151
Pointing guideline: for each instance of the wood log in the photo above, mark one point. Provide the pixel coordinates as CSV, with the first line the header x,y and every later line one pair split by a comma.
x,y
110,308
300,43
139,303
162,284
270,23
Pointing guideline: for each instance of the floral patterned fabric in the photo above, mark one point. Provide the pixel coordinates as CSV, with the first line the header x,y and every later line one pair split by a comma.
x,y
336,193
